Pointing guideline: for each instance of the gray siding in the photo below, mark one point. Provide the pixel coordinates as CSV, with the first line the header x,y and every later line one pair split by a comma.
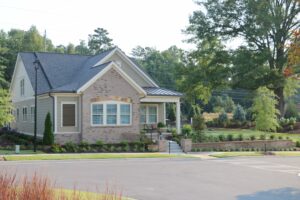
x,y
69,129
44,105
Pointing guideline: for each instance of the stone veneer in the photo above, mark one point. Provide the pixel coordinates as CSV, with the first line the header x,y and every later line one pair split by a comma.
x,y
111,86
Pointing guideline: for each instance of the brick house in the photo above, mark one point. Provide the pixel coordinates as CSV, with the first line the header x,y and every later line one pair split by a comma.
x,y
104,97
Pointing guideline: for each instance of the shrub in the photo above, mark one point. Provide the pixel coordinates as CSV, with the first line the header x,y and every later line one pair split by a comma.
x,y
262,137
291,110
186,129
230,137
298,144
280,137
198,136
199,123
272,137
221,137
71,147
160,125
223,119
239,114
241,137
48,137
252,137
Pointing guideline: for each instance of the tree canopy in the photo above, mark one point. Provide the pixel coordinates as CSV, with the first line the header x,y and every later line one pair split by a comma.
x,y
265,27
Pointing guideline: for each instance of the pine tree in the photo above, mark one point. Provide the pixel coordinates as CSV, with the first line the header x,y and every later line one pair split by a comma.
x,y
48,138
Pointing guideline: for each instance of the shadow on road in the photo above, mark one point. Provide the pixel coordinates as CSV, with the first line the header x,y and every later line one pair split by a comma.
x,y
275,194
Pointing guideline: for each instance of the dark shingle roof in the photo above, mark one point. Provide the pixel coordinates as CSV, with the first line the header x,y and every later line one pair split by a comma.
x,y
153,91
65,72
68,72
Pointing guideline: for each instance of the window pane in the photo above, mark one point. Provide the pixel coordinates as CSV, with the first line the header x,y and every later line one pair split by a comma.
x,y
111,109
125,119
97,119
68,114
111,119
143,119
143,110
152,110
125,109
152,119
98,109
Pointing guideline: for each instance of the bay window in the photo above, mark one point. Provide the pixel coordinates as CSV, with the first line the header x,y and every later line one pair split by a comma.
x,y
111,113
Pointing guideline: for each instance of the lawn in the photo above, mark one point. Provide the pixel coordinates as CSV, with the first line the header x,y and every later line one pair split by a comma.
x,y
91,156
236,154
82,195
248,132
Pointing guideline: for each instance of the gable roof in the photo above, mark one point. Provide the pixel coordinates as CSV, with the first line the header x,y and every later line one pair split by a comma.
x,y
67,73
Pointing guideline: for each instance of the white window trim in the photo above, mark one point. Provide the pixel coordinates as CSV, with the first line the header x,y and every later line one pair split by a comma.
x,y
104,103
147,113
62,112
25,114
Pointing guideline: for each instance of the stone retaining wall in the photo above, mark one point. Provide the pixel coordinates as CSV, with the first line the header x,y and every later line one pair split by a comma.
x,y
257,144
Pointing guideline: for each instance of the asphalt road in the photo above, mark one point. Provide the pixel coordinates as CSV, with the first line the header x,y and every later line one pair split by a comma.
x,y
260,178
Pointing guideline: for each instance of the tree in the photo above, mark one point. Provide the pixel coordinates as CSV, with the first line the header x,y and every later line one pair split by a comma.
x,y
239,114
48,137
82,48
5,108
99,41
265,28
265,111
160,65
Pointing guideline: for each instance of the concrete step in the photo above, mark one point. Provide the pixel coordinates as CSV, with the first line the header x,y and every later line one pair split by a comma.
x,y
174,147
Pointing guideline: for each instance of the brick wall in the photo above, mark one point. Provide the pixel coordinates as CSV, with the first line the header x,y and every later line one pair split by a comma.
x,y
110,86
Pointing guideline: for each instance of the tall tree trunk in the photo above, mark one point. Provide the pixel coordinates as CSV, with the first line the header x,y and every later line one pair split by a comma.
x,y
280,98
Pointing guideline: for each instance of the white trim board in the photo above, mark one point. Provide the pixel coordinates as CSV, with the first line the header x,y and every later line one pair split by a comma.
x,y
62,112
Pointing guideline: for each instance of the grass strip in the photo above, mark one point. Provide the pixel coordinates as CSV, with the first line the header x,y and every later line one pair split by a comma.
x,y
236,154
91,156
287,153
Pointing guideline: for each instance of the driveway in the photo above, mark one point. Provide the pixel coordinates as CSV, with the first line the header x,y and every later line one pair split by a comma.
x,y
260,178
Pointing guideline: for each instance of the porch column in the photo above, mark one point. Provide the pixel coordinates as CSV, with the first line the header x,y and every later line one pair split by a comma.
x,y
165,116
178,121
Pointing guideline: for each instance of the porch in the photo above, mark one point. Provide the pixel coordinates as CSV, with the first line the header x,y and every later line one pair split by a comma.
x,y
153,112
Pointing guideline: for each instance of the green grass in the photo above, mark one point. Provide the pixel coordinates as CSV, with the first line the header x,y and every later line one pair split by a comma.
x,y
90,156
236,154
248,132
287,153
86,195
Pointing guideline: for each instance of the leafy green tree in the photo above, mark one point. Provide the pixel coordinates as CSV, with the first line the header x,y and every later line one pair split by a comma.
x,y
265,28
5,108
82,48
99,41
239,114
265,111
70,49
48,137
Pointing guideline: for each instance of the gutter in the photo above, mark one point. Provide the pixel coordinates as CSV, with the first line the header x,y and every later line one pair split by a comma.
x,y
53,111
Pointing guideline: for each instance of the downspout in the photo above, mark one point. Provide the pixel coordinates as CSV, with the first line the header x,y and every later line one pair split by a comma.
x,y
53,110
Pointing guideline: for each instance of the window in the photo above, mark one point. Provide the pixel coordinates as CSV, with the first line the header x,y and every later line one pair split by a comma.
x,y
143,115
97,114
32,108
25,114
152,114
148,114
18,114
111,113
125,113
22,87
68,114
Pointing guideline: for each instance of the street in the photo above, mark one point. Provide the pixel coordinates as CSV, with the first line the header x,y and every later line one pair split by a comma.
x,y
259,178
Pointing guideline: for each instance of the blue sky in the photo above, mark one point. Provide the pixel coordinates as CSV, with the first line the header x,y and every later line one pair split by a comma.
x,y
155,23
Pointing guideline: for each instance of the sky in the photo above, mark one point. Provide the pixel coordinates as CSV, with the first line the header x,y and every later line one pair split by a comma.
x,y
153,23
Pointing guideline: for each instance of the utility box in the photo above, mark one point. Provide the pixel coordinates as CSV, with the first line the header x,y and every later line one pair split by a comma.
x,y
17,149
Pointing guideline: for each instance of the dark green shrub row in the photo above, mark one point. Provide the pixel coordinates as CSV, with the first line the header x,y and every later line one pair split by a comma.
x,y
85,147
12,138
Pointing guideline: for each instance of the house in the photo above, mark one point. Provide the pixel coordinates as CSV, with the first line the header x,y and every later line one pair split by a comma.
x,y
102,97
